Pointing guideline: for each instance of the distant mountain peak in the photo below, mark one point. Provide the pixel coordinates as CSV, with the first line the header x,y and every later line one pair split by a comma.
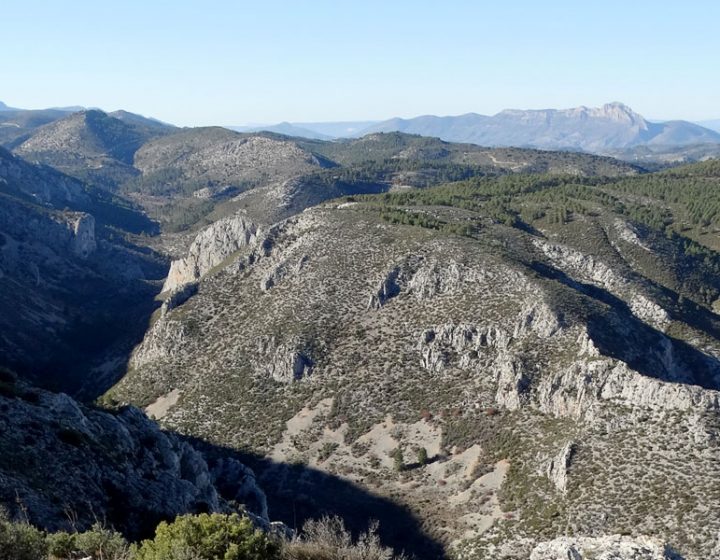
x,y
593,129
615,111
620,112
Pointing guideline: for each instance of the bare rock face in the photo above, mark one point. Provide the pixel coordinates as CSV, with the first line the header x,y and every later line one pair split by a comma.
x,y
589,268
557,467
161,341
282,362
614,547
424,278
42,184
211,247
83,242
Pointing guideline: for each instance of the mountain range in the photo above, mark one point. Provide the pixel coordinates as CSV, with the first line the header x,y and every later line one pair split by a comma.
x,y
613,126
496,352
611,129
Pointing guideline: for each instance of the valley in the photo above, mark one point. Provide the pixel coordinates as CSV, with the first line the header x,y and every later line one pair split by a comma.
x,y
495,352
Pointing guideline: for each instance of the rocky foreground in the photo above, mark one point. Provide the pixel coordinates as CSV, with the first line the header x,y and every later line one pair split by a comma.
x,y
65,466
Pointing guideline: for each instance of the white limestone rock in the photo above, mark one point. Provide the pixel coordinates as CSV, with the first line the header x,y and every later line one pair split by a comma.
x,y
614,547
211,247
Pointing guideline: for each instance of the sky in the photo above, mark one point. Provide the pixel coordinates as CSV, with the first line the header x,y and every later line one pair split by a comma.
x,y
222,62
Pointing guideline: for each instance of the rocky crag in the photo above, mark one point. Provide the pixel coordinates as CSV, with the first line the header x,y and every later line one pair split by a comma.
x,y
65,466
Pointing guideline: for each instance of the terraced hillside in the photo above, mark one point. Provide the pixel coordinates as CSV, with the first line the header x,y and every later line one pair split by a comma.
x,y
514,359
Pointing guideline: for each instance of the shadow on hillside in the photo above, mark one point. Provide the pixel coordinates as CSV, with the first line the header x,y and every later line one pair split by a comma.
x,y
105,313
619,334
297,493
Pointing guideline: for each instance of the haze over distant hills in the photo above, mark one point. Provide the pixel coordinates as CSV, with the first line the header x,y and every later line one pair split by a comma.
x,y
711,124
314,130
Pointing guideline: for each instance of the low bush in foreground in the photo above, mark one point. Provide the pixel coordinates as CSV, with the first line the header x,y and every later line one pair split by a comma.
x,y
208,536
194,537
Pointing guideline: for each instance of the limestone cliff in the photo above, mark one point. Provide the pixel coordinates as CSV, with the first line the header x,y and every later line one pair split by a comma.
x,y
211,247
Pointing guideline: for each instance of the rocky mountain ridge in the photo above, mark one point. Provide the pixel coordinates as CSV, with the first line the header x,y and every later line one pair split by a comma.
x,y
611,128
561,352
483,365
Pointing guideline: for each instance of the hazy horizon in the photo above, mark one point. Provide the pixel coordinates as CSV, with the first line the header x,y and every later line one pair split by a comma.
x,y
239,62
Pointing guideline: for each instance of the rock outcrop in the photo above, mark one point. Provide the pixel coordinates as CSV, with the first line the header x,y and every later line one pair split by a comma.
x,y
211,247
613,547
557,467
40,184
66,463
282,362
82,242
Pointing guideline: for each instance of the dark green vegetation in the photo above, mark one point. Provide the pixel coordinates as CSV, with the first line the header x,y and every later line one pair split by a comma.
x,y
193,537
682,204
208,536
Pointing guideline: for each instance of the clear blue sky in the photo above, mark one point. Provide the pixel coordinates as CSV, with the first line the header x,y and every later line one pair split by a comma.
x,y
232,62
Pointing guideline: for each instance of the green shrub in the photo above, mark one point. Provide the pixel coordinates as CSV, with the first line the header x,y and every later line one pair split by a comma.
x,y
398,460
98,543
208,537
422,456
101,543
20,541
61,545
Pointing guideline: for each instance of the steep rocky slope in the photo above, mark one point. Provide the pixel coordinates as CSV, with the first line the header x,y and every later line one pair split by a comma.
x,y
561,373
66,466
73,288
